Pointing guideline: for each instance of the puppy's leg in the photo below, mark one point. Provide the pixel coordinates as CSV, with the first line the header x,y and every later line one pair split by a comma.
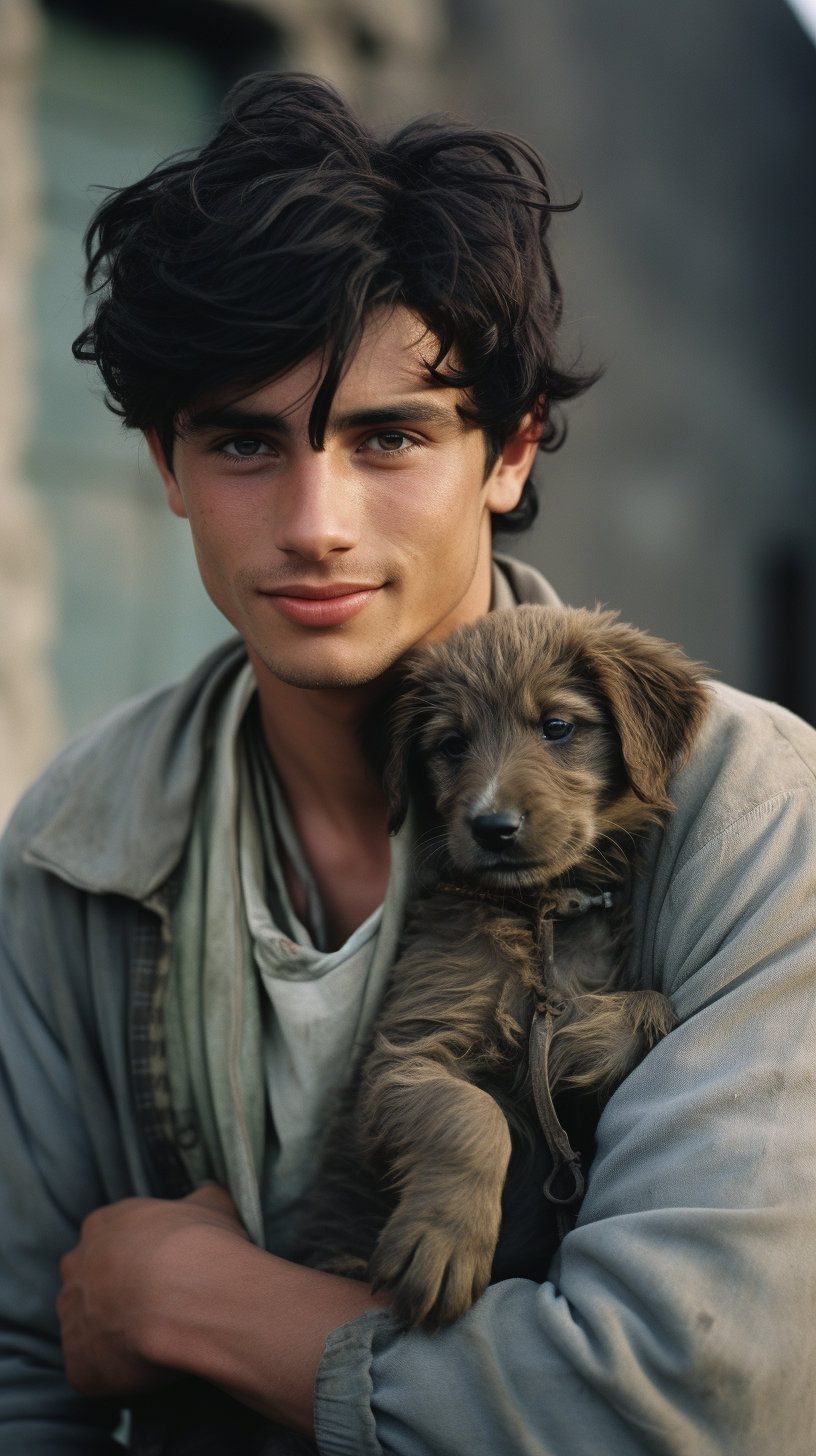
x,y
450,1145
447,1023
603,1036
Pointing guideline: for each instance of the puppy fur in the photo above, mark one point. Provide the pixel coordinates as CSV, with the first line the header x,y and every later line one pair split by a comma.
x,y
570,725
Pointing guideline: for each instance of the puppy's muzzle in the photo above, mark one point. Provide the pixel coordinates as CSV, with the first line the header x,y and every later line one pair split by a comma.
x,y
496,832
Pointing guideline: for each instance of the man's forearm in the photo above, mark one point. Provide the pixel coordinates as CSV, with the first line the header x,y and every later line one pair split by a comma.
x,y
156,1286
255,1325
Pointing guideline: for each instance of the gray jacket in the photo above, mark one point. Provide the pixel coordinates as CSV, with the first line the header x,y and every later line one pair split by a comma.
x,y
679,1314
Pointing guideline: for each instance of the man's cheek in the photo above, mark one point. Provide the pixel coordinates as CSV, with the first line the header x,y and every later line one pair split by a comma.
x,y
437,533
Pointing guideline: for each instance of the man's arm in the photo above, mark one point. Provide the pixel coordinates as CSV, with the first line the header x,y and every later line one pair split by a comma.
x,y
156,1286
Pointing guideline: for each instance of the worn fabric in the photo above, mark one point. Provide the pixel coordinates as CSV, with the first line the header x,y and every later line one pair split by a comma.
x,y
678,1317
212,1007
252,1003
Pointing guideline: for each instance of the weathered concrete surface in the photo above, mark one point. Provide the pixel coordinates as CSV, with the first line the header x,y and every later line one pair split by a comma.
x,y
29,724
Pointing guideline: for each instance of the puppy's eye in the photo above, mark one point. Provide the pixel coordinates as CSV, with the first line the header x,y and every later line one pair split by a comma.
x,y
455,746
557,729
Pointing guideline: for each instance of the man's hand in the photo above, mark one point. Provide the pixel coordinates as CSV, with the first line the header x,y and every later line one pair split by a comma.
x,y
156,1287
108,1307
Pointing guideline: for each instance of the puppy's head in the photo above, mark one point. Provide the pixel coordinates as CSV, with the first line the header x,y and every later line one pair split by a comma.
x,y
538,732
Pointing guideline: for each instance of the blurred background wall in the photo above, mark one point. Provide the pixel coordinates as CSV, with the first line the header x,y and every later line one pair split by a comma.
x,y
684,494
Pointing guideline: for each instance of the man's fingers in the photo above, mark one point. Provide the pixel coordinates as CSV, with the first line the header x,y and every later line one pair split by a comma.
x,y
115,1293
67,1265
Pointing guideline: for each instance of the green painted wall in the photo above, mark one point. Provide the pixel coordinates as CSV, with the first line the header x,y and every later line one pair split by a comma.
x,y
133,612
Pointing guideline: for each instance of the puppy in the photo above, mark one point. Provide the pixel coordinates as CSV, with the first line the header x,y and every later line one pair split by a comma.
x,y
536,745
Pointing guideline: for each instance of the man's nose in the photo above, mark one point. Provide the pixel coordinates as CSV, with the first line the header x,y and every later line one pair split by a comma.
x,y
316,509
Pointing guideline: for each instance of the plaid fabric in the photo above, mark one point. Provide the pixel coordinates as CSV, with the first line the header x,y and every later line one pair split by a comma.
x,y
150,950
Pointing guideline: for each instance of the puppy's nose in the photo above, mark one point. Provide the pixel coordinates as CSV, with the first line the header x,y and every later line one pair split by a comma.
x,y
496,831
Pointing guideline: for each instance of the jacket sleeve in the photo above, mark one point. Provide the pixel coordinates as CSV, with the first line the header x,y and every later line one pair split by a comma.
x,y
62,1135
679,1314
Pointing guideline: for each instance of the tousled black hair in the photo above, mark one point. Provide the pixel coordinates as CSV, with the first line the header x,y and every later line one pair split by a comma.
x,y
275,241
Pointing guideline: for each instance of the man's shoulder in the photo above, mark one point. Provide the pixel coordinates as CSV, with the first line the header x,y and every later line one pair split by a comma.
x,y
516,582
750,755
111,812
727,881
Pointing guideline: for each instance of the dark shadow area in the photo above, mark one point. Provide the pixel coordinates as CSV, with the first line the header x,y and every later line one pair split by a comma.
x,y
787,589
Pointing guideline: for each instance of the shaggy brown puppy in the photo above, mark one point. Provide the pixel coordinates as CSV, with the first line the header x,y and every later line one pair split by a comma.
x,y
538,744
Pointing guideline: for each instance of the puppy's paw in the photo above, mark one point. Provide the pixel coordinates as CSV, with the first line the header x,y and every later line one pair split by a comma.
x,y
437,1266
651,1016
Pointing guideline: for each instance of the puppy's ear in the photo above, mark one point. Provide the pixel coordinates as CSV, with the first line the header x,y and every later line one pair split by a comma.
x,y
657,698
389,736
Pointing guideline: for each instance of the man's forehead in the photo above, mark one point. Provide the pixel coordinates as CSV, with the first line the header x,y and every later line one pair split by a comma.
x,y
386,379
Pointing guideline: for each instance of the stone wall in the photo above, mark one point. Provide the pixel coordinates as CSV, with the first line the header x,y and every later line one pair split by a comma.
x,y
388,56
29,722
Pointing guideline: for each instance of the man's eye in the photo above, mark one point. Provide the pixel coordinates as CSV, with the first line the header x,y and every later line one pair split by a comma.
x,y
389,442
455,746
557,729
245,445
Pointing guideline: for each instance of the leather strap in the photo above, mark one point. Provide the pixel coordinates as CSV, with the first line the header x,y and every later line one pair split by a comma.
x,y
547,1010
561,904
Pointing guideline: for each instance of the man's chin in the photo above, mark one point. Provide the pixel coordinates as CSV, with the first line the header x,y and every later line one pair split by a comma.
x,y
323,676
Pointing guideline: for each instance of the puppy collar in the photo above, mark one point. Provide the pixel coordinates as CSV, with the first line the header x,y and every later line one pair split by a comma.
x,y
560,904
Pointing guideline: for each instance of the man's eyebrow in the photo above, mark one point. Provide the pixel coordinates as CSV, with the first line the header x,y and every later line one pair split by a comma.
x,y
227,417
408,412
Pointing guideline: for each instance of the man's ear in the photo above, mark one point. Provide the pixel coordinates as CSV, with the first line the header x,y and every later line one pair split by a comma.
x,y
507,479
175,500
657,698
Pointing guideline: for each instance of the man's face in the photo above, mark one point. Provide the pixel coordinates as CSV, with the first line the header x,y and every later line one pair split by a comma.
x,y
332,564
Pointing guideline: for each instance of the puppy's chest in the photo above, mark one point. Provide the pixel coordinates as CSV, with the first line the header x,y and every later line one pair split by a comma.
x,y
477,971
589,952
564,959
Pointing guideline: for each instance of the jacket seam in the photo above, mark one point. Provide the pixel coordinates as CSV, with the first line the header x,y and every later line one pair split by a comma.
x,y
756,810
785,739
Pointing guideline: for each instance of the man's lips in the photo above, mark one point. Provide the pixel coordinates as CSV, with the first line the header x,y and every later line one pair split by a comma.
x,y
322,606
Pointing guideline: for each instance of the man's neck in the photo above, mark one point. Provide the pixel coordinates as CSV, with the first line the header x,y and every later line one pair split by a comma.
x,y
333,796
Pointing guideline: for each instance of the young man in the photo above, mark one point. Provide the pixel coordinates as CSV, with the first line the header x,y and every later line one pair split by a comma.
x,y
342,355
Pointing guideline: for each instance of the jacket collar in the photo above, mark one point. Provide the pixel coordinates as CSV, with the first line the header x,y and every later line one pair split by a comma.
x,y
122,793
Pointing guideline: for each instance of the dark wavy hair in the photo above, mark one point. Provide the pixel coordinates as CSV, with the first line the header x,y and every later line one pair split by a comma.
x,y
234,263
